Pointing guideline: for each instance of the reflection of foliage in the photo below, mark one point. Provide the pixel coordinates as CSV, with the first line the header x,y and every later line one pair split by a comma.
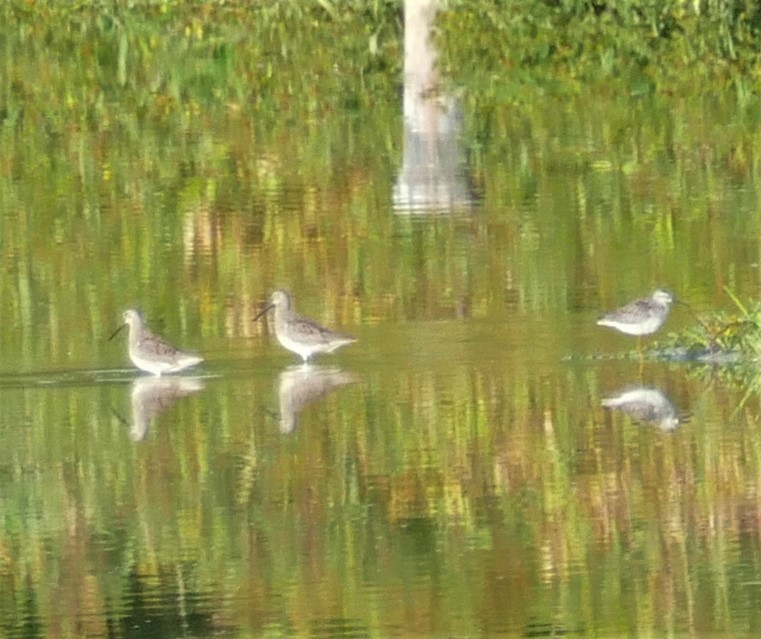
x,y
221,114
158,60
640,43
193,154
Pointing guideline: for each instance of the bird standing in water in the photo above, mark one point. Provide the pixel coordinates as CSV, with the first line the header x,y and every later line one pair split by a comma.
x,y
640,317
151,353
299,334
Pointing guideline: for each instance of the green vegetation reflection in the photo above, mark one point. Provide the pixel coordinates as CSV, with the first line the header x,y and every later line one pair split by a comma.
x,y
194,156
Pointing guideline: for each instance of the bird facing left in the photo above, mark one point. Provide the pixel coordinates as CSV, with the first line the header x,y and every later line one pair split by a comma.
x,y
152,353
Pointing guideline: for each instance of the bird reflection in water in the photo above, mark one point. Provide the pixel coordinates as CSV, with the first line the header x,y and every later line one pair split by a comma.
x,y
299,386
646,405
153,395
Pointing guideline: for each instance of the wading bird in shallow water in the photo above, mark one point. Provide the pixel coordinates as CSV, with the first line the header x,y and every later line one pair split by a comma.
x,y
151,353
299,334
640,317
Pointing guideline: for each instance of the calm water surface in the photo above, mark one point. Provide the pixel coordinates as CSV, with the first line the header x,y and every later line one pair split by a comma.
x,y
454,473
439,477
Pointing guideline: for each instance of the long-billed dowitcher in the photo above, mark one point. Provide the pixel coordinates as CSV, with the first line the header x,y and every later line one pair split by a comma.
x,y
640,317
299,334
151,353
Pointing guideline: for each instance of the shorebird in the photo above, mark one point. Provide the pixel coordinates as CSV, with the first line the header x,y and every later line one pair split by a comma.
x,y
640,317
151,353
299,334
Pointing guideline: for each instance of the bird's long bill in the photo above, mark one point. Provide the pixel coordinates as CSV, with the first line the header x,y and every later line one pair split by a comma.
x,y
262,312
116,332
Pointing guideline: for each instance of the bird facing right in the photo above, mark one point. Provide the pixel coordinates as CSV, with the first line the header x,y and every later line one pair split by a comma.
x,y
640,317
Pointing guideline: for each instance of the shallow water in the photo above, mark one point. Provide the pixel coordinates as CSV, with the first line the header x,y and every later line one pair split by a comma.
x,y
454,472
439,476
